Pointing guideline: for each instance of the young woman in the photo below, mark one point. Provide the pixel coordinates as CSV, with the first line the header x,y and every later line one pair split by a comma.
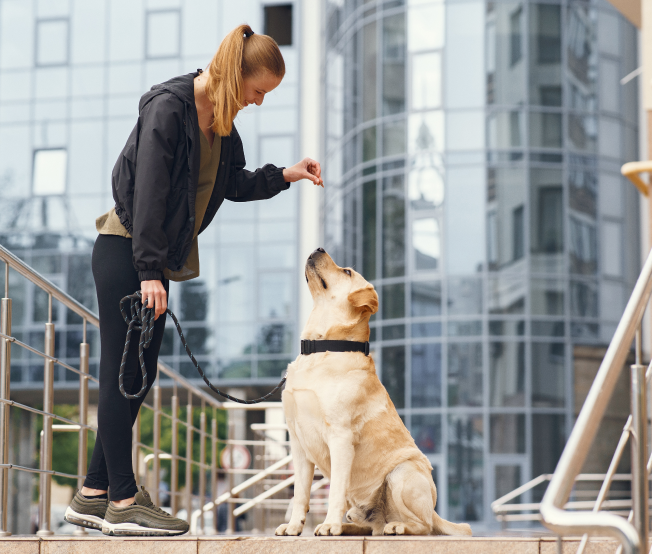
x,y
182,159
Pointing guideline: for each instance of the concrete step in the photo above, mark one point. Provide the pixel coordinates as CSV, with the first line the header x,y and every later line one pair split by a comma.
x,y
299,545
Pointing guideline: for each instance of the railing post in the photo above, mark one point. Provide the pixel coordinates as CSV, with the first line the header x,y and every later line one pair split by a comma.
x,y
84,354
189,457
5,376
48,405
230,522
202,469
214,465
174,463
157,442
640,484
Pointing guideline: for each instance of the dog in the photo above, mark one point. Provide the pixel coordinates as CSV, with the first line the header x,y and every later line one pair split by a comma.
x,y
341,419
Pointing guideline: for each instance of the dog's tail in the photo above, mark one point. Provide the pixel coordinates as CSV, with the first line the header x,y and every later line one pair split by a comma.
x,y
442,527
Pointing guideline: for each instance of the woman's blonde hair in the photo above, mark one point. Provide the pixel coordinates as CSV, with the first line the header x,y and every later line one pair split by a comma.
x,y
241,54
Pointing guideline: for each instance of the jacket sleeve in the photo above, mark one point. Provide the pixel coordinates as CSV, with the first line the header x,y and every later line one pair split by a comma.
x,y
245,186
161,127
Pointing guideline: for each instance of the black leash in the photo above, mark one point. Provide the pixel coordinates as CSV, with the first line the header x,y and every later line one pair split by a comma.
x,y
142,319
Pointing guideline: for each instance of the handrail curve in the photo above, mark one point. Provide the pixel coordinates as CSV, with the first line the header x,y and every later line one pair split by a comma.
x,y
579,442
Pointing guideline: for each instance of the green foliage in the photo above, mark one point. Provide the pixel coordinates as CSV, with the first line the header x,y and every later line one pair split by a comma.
x,y
147,437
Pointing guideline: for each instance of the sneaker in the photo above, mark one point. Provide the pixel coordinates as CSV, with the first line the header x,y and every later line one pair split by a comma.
x,y
142,518
86,511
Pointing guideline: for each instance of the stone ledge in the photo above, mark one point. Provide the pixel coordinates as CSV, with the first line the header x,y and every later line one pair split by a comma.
x,y
59,544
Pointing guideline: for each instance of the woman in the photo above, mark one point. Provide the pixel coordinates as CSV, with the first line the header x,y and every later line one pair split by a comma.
x,y
183,158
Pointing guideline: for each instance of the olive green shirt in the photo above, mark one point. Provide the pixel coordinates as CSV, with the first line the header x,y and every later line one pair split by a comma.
x,y
209,161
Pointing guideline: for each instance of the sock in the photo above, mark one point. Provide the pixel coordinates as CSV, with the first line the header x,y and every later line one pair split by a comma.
x,y
104,496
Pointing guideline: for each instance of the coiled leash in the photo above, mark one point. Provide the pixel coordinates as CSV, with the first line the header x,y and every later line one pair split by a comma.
x,y
142,319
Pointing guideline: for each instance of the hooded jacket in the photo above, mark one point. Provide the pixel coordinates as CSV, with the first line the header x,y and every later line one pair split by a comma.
x,y
154,180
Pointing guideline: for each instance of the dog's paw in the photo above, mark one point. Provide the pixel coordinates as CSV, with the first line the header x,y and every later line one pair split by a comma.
x,y
394,528
288,529
326,529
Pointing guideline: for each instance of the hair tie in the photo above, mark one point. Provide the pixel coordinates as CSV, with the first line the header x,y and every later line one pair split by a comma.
x,y
248,34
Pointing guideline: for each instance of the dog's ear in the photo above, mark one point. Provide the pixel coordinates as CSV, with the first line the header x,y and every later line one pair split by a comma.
x,y
365,298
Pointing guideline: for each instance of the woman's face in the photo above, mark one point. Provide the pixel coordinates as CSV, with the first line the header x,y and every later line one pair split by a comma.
x,y
257,86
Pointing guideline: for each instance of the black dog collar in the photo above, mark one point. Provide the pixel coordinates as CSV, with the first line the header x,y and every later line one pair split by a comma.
x,y
314,346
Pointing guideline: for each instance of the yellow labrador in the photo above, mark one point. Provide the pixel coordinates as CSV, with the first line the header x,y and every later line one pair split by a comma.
x,y
342,420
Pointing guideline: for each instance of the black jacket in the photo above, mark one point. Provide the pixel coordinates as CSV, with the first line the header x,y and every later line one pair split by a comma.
x,y
154,181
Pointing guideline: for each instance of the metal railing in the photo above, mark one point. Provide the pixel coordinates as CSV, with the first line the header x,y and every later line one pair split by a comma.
x,y
45,471
273,475
632,532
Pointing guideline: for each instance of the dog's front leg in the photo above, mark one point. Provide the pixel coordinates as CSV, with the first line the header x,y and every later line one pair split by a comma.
x,y
304,471
342,451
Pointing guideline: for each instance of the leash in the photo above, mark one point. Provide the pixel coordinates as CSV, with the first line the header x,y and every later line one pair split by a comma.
x,y
142,319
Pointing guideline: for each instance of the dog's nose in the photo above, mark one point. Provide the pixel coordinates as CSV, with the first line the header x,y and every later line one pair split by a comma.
x,y
320,249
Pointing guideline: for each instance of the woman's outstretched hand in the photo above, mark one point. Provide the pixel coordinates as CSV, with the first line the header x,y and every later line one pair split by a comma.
x,y
154,293
305,169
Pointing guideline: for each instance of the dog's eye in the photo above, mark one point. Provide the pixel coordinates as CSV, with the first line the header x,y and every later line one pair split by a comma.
x,y
348,272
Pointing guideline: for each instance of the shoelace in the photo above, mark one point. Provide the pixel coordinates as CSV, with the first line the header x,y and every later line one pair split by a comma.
x,y
142,319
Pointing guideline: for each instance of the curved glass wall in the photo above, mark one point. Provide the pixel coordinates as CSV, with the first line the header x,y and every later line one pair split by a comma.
x,y
472,155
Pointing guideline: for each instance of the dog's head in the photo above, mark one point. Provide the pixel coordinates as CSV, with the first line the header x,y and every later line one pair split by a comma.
x,y
344,301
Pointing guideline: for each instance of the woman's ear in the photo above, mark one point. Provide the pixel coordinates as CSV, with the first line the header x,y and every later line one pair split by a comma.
x,y
365,298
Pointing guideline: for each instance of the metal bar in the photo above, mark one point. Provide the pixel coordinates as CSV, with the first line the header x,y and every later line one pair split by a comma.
x,y
41,471
82,445
41,412
230,524
519,491
202,470
214,477
174,464
270,492
640,485
5,381
586,427
45,356
189,457
46,438
157,441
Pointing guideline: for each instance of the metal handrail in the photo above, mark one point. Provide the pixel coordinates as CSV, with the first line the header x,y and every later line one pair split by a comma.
x,y
575,452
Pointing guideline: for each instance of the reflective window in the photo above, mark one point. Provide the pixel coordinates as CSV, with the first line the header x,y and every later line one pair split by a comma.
x,y
550,430
393,85
426,81
465,208
610,197
369,230
52,42
235,340
426,376
505,217
464,296
546,220
393,301
426,248
369,71
583,189
394,138
275,296
507,294
465,467
163,34
507,478
464,328
547,296
465,374
584,299
369,144
548,34
505,130
426,298
611,248
274,338
427,329
583,246
278,23
426,431
548,375
393,226
194,300
393,374
545,130
507,434
548,328
612,303
49,173
507,374
426,27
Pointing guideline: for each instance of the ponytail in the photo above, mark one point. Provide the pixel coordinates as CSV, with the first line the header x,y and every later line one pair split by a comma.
x,y
241,54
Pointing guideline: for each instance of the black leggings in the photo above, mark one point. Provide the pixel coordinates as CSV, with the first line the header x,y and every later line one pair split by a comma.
x,y
115,277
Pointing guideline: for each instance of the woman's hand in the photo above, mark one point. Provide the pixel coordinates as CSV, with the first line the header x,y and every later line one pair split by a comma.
x,y
154,293
305,169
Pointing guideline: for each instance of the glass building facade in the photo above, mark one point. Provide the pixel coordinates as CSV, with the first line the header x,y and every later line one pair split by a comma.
x,y
71,75
472,152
